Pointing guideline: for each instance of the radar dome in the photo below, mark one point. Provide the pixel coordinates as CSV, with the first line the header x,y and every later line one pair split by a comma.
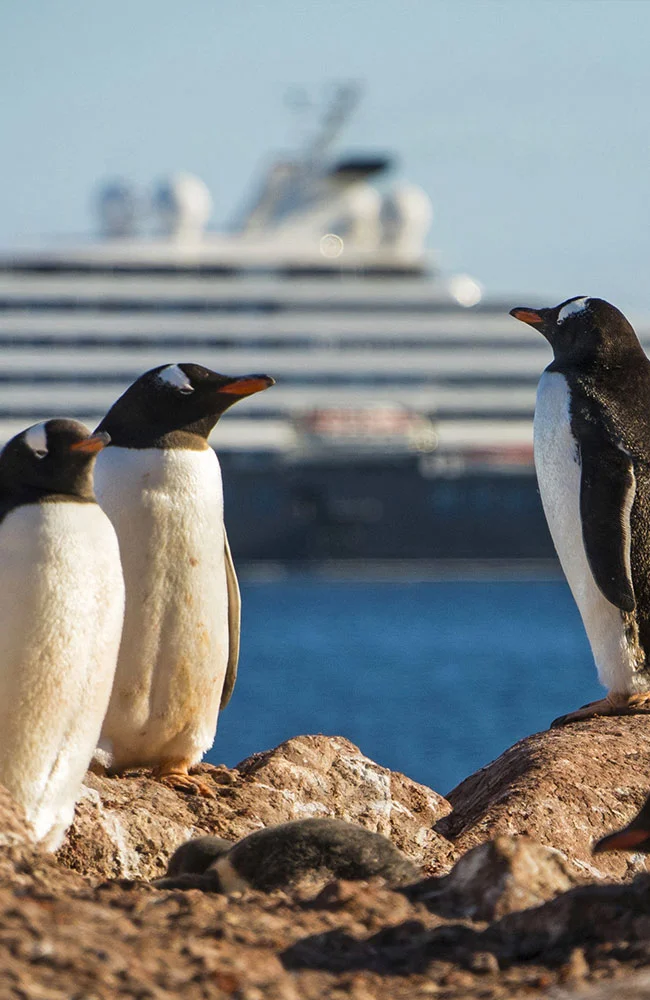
x,y
117,207
465,290
183,205
358,220
406,215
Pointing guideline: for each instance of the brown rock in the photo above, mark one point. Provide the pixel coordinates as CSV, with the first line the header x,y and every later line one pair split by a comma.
x,y
128,827
506,875
14,828
322,776
587,917
63,937
576,968
484,962
634,987
565,788
22,864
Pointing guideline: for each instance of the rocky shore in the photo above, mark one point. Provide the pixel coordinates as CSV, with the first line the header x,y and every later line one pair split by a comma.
x,y
511,903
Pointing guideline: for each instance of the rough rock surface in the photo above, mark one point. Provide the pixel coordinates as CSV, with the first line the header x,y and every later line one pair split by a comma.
x,y
507,921
68,940
128,827
14,828
563,787
635,987
502,876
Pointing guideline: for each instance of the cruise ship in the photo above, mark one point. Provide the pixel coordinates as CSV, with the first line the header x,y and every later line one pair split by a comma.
x,y
400,426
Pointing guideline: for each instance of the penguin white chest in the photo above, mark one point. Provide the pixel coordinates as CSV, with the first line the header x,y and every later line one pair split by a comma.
x,y
557,463
167,508
61,607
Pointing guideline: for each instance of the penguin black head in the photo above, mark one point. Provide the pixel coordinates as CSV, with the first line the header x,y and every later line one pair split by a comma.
x,y
583,329
634,837
55,457
196,856
176,405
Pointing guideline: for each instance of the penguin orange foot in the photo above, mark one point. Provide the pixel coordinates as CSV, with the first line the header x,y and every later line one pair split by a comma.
x,y
175,773
613,704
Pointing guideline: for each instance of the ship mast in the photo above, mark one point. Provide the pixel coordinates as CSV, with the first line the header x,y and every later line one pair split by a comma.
x,y
288,183
339,109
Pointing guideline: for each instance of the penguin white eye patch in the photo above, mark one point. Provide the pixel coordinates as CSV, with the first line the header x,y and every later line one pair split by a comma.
x,y
576,306
176,377
36,440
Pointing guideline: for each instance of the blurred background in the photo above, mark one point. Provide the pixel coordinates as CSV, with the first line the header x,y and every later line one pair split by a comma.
x,y
349,196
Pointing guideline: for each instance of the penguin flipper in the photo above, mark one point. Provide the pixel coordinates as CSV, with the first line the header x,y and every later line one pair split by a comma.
x,y
607,489
234,625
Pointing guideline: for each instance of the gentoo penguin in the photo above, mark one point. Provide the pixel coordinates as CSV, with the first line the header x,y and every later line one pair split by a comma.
x,y
592,457
160,484
278,856
633,837
61,609
195,856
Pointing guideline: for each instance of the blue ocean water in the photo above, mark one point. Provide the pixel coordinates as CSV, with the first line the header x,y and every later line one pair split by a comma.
x,y
433,679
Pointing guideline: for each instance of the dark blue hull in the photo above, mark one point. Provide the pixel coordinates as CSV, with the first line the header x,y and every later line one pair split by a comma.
x,y
380,509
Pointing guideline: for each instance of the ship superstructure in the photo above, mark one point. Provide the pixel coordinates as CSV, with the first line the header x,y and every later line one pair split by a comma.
x,y
386,367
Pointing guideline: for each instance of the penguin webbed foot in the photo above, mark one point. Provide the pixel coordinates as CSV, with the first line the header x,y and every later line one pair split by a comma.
x,y
613,704
175,774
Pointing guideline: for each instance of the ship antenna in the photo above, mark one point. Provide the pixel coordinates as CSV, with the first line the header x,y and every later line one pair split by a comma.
x,y
287,182
337,112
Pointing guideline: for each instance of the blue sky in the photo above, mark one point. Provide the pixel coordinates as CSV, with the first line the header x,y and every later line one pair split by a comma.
x,y
525,120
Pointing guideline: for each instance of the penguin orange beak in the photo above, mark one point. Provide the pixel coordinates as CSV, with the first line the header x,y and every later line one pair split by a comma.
x,y
247,385
624,840
527,316
91,445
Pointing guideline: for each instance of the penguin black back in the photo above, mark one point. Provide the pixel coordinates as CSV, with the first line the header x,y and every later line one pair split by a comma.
x,y
278,856
176,406
608,373
49,462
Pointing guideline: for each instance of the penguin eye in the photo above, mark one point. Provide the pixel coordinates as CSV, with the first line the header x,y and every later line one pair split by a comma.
x,y
36,440
175,377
